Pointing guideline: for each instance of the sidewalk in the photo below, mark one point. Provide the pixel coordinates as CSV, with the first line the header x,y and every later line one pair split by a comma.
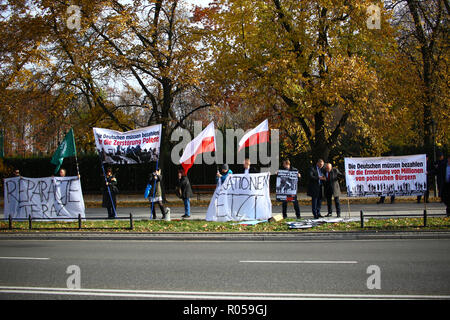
x,y
141,211
205,199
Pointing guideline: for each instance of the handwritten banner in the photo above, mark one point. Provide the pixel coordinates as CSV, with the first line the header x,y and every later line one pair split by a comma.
x,y
385,176
44,198
241,197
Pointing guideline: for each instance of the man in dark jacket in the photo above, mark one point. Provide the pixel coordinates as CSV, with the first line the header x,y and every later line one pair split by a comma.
x,y
287,166
315,187
110,191
332,188
184,191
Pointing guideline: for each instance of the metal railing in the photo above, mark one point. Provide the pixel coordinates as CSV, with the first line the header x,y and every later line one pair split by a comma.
x,y
424,215
79,220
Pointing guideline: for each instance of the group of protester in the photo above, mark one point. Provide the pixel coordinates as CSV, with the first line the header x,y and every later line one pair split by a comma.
x,y
323,183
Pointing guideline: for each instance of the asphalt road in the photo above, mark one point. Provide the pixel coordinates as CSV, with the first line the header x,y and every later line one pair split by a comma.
x,y
225,270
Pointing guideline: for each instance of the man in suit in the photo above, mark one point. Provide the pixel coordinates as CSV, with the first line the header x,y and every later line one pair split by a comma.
x,y
287,166
315,186
332,188
247,168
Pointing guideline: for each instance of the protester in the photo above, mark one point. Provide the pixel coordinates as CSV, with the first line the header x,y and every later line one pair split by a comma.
x,y
62,172
224,172
430,173
286,165
156,198
16,173
315,187
446,186
247,168
332,188
184,191
109,197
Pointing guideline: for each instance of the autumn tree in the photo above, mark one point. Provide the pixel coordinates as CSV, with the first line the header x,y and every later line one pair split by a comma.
x,y
121,64
423,41
313,66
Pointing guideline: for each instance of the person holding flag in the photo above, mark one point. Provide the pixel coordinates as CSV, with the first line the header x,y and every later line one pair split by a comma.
x,y
110,191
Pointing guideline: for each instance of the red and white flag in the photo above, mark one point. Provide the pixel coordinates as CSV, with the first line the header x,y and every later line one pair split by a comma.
x,y
257,135
204,142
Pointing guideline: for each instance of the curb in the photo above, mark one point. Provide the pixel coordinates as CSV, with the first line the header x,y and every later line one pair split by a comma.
x,y
281,236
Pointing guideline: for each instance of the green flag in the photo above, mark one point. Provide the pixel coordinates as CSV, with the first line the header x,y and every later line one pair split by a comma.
x,y
65,149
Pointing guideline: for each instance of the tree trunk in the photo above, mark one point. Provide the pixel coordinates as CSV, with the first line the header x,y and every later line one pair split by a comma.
x,y
321,150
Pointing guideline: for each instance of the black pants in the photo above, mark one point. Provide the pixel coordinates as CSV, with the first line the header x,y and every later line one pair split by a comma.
x,y
161,207
316,204
337,203
296,208
111,214
383,197
426,196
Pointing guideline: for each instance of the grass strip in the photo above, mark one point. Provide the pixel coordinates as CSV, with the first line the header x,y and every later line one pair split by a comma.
x,y
392,224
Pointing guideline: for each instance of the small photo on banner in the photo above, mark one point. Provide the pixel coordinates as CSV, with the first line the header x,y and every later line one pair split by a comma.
x,y
131,147
286,187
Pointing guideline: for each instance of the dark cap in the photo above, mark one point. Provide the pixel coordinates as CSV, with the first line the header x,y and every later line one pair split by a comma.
x,y
224,167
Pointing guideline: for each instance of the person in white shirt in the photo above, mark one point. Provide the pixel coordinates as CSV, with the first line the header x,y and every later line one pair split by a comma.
x,y
247,167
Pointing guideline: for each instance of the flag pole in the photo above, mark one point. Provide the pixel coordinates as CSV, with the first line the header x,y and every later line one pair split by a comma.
x,y
76,157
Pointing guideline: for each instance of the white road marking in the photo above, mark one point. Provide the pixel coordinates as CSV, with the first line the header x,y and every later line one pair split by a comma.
x,y
226,241
206,295
303,261
23,258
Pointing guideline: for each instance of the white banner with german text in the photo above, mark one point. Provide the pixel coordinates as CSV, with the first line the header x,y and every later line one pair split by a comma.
x,y
131,147
386,176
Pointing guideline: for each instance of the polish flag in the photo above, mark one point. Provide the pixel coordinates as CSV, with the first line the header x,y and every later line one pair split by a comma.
x,y
258,135
204,142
